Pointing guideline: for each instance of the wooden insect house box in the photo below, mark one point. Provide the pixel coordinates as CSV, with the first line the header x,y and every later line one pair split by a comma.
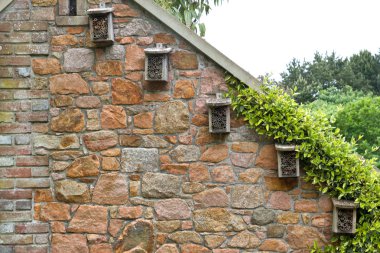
x,y
219,114
157,63
288,163
344,216
101,25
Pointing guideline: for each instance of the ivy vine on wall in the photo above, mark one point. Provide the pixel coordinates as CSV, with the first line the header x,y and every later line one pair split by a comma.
x,y
331,162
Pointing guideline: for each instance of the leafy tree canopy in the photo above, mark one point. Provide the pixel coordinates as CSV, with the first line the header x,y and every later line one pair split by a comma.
x,y
189,12
360,71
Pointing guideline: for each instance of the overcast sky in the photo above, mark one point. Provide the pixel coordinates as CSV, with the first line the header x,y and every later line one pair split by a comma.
x,y
263,36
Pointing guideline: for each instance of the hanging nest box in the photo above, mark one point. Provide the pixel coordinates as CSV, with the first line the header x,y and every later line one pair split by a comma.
x,y
344,216
219,114
288,163
101,25
157,63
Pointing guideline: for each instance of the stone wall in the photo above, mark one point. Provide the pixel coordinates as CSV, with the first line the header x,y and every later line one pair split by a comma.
x,y
94,159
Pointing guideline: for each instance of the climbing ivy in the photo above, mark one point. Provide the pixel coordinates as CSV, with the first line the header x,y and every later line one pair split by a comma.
x,y
331,162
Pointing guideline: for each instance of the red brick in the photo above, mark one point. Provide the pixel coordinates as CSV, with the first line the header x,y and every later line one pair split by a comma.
x,y
15,128
5,26
32,228
19,150
32,161
32,117
31,249
15,61
15,172
16,194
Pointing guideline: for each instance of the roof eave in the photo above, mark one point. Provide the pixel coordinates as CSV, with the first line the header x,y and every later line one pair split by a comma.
x,y
4,4
199,43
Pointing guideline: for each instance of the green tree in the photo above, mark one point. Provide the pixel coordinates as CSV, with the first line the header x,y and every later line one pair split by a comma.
x,y
189,12
355,113
361,71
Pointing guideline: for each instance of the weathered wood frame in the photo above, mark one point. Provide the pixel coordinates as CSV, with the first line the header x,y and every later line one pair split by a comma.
x,y
283,149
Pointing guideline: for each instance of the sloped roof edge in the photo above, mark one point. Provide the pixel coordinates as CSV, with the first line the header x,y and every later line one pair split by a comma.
x,y
4,4
199,43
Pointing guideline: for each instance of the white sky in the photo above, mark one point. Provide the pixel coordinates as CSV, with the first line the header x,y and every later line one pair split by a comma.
x,y
262,36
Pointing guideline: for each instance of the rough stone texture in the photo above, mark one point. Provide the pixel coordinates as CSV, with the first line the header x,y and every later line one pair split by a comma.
x,y
68,84
113,117
280,184
274,245
185,153
87,166
250,175
262,216
215,154
172,117
246,196
223,174
56,142
135,58
139,160
111,189
78,60
66,243
182,237
217,220
70,120
89,219
184,89
193,248
144,120
276,231
302,237
267,158
72,192
211,198
55,211
184,60
101,140
46,66
167,248
157,185
125,92
245,240
109,68
136,234
280,200
172,209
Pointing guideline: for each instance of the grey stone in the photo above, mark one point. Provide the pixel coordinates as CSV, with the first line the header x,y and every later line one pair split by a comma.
x,y
185,153
40,105
71,20
22,139
140,159
72,191
6,228
6,205
6,249
157,185
23,205
135,27
56,142
78,60
5,139
262,216
172,117
24,72
6,161
275,231
247,196
115,52
153,141
39,37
